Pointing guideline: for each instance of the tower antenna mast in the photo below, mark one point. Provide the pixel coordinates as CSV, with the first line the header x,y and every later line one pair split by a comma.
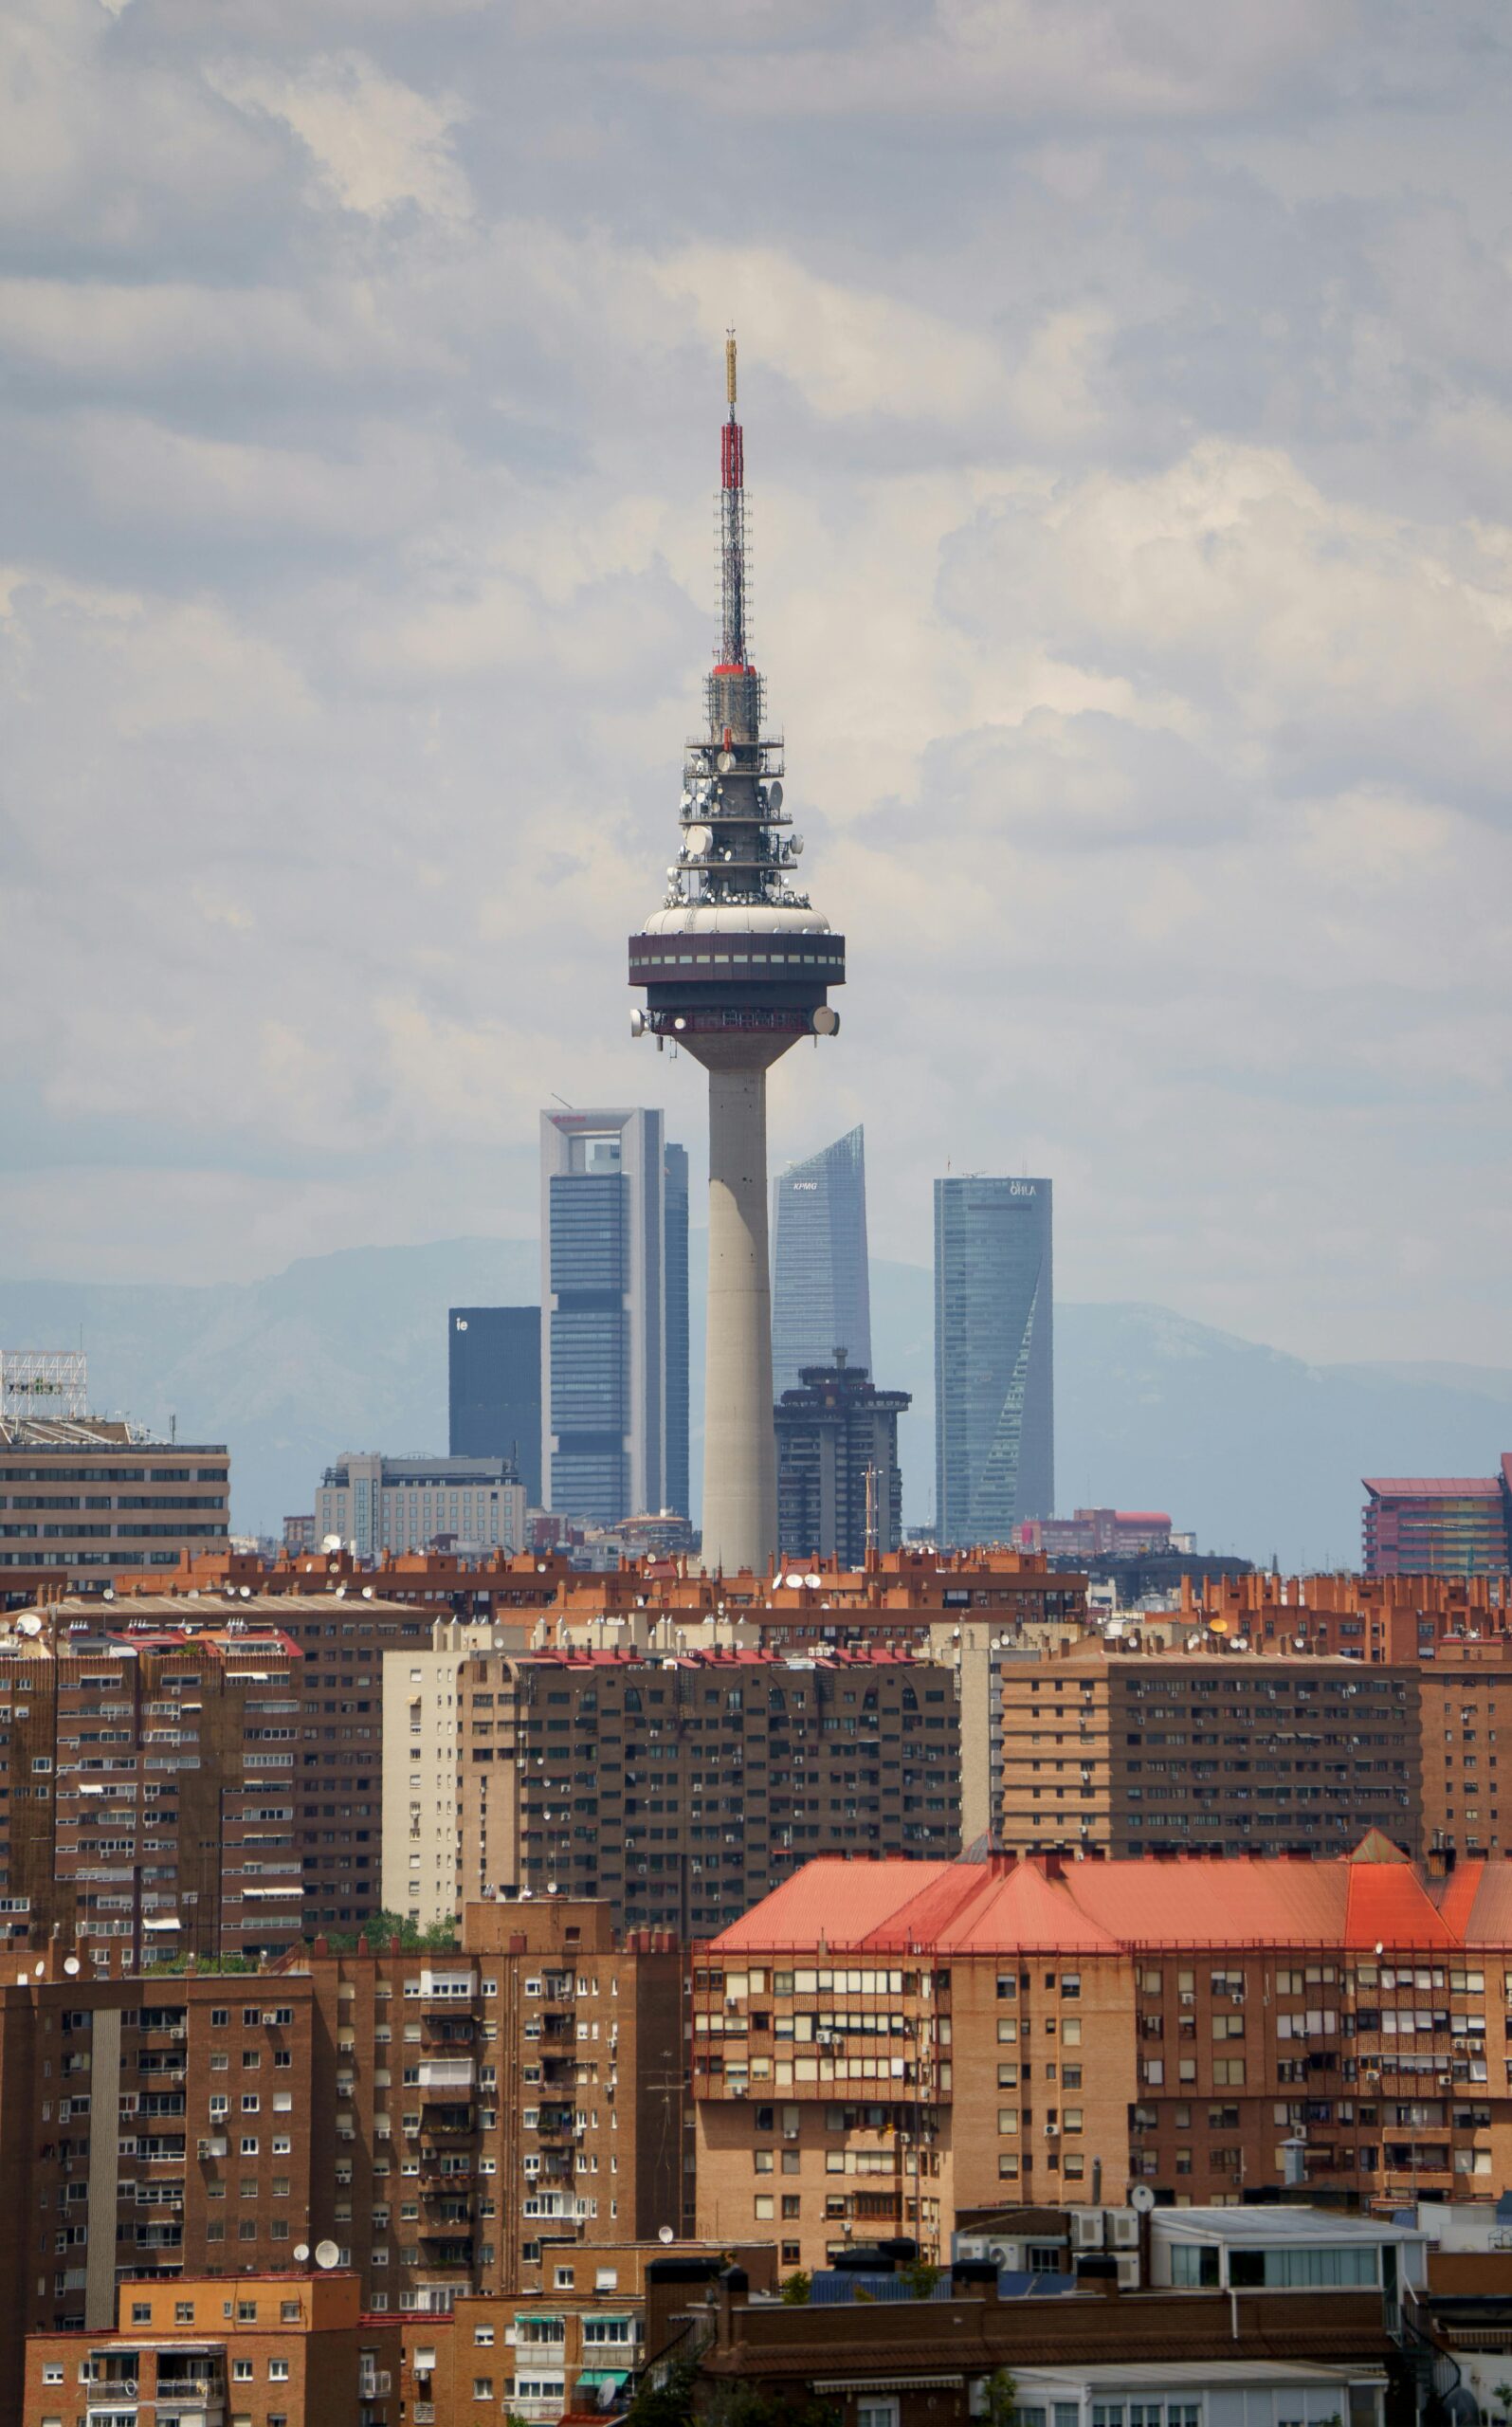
x,y
735,966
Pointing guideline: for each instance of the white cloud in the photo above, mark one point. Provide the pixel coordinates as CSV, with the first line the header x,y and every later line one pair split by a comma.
x,y
377,142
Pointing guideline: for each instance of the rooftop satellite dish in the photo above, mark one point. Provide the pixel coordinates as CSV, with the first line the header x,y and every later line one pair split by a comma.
x,y
29,1626
813,1584
773,796
39,1969
664,2233
302,2252
698,841
330,1541
246,1592
327,2254
367,1592
71,1965
1142,2199
793,1582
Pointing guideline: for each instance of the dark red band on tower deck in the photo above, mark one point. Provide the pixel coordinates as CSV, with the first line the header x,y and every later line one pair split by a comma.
x,y
732,457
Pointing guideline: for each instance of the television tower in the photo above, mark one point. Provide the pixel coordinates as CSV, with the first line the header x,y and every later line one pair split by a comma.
x,y
735,966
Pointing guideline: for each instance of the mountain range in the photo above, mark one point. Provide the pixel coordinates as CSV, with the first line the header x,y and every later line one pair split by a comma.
x,y
1257,1452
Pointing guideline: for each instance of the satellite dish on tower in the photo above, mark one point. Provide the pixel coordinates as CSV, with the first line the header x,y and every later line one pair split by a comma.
x,y
698,842
327,2254
773,796
725,761
302,2252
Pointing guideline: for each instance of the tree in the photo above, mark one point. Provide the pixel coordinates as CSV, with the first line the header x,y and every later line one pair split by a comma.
x,y
920,2276
1002,2397
796,2288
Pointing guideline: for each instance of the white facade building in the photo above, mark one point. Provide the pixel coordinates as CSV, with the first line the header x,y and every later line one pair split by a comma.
x,y
379,1505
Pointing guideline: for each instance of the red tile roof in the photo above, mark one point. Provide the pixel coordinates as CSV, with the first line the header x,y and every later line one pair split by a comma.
x,y
1040,1905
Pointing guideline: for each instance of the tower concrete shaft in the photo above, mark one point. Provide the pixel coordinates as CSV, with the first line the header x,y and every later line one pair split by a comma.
x,y
735,966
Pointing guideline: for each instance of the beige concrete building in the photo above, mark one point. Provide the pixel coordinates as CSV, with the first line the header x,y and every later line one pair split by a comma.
x,y
422,1820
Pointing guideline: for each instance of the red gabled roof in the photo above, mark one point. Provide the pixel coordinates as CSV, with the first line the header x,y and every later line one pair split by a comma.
x,y
1377,1897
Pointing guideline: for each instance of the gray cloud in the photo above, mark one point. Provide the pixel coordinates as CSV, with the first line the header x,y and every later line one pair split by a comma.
x,y
1129,409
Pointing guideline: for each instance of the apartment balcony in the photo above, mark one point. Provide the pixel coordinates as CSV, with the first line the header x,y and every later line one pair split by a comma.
x,y
442,2026
444,2123
448,2077
436,2170
440,2252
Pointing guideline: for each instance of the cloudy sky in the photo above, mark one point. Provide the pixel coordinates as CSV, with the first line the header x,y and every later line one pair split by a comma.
x,y
1128,400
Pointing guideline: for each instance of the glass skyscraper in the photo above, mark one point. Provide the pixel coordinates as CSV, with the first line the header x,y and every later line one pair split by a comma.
x,y
614,1315
821,1291
494,1373
994,1416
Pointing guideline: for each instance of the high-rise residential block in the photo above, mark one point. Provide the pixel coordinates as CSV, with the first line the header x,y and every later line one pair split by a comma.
x,y
1209,1752
821,1285
735,964
1439,1526
891,2043
422,1748
147,1807
839,1487
493,1388
381,1505
202,1761
678,1789
995,1407
605,1282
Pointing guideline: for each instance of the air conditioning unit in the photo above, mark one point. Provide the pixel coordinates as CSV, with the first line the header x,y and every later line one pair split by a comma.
x,y
1129,2273
1053,2131
1125,2230
1086,2225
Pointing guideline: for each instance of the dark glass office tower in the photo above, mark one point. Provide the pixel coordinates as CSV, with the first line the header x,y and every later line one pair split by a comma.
x,y
675,1168
821,1291
494,1373
994,1416
614,1352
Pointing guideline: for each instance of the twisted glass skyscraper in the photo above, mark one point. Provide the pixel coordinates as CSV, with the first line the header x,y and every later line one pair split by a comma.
x,y
821,1292
995,1411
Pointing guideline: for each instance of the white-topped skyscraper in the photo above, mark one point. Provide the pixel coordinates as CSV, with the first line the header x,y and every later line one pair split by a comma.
x,y
735,964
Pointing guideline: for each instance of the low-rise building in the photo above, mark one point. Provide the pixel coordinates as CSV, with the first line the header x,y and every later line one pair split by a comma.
x,y
292,2349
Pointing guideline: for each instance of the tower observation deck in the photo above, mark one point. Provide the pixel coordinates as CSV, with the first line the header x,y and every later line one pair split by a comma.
x,y
736,965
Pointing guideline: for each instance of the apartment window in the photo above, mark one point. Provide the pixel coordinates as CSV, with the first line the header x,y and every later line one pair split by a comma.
x,y
875,2413
278,2371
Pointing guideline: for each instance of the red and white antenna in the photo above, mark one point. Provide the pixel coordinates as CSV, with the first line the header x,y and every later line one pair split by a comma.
x,y
732,529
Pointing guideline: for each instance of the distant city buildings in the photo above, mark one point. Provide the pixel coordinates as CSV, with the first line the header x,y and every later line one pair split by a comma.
x,y
1100,1534
994,1423
379,1505
493,1375
839,1487
821,1289
1439,1526
613,1270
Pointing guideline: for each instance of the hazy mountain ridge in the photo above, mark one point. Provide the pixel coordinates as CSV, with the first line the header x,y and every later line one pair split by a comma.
x,y
1258,1450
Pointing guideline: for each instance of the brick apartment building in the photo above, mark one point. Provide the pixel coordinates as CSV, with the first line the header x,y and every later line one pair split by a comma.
x,y
441,2119
311,1732
148,1806
86,1500
1215,1752
680,1789
284,2350
877,2045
